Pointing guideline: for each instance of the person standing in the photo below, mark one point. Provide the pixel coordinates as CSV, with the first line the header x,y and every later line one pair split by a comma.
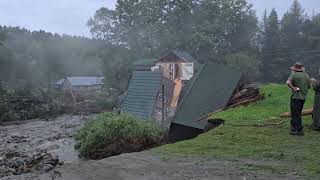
x,y
299,83
316,107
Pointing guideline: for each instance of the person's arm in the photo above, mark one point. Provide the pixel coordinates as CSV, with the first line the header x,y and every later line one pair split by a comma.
x,y
289,83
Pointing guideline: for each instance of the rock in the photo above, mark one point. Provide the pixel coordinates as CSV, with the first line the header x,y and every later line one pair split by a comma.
x,y
12,170
47,167
55,158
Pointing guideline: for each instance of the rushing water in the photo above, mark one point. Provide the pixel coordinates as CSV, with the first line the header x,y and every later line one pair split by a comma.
x,y
55,136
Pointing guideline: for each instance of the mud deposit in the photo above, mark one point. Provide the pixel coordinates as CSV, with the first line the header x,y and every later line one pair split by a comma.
x,y
38,146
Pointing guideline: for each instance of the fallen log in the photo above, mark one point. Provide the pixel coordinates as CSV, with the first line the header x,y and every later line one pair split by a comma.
x,y
244,102
307,112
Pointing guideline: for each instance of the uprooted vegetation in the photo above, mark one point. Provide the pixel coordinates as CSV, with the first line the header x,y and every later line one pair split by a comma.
x,y
111,134
258,133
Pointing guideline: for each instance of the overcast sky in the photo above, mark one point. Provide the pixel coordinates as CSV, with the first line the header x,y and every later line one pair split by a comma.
x,y
70,16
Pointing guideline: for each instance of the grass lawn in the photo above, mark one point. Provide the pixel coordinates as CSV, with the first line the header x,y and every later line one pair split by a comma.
x,y
270,143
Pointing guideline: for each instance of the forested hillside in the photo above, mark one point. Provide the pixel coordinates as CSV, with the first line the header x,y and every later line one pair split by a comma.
x,y
38,59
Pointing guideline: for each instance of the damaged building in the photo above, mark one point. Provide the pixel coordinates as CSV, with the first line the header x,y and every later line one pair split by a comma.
x,y
191,91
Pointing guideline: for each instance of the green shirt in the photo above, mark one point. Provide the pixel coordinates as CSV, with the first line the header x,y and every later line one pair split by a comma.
x,y
302,81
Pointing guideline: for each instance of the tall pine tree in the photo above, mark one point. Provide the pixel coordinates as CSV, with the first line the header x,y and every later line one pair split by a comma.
x,y
271,46
291,24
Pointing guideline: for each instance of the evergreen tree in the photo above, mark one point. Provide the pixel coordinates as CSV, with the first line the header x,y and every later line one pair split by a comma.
x,y
291,26
271,46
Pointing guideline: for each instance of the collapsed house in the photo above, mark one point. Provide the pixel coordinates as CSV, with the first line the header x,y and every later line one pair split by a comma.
x,y
209,91
191,90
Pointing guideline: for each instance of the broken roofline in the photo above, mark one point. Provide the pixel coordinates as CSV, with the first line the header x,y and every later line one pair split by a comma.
x,y
180,54
210,90
153,61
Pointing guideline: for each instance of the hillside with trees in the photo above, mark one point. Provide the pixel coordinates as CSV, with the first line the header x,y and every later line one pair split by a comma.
x,y
227,32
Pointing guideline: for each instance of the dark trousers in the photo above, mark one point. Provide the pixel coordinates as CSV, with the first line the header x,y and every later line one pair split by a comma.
x,y
296,110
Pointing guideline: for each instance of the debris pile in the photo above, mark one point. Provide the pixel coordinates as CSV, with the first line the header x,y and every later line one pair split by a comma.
x,y
246,95
17,164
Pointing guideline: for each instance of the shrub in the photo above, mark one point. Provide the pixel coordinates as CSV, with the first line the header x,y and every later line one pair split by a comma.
x,y
111,134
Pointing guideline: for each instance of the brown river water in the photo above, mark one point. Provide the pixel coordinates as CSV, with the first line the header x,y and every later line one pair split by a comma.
x,y
55,137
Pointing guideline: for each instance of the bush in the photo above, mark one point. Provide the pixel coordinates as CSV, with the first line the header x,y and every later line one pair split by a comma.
x,y
111,134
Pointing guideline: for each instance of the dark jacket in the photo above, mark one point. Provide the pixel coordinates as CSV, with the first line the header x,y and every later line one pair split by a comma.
x,y
316,107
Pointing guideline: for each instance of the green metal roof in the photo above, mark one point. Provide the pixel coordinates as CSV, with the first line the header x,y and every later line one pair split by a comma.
x,y
208,91
142,94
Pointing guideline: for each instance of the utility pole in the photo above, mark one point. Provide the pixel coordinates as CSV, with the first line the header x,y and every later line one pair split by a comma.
x,y
163,106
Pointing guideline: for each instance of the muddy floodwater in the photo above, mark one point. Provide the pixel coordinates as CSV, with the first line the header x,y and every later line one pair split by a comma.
x,y
55,136
40,144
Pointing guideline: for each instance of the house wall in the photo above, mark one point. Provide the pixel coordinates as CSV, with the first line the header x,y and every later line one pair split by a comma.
x,y
87,88
171,71
66,85
180,133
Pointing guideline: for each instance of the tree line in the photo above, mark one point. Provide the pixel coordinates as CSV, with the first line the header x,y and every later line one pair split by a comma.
x,y
295,37
218,31
39,59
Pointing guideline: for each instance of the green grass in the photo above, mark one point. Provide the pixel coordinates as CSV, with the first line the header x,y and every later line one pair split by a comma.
x,y
270,143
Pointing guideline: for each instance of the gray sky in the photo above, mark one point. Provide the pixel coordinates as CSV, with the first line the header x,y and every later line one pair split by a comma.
x,y
70,16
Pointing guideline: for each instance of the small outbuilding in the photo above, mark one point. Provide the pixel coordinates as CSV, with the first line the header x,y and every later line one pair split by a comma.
x,y
80,83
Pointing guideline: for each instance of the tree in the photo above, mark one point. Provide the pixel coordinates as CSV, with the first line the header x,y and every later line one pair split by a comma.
x,y
248,64
204,28
102,25
291,24
39,58
272,33
272,45
116,68
6,60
